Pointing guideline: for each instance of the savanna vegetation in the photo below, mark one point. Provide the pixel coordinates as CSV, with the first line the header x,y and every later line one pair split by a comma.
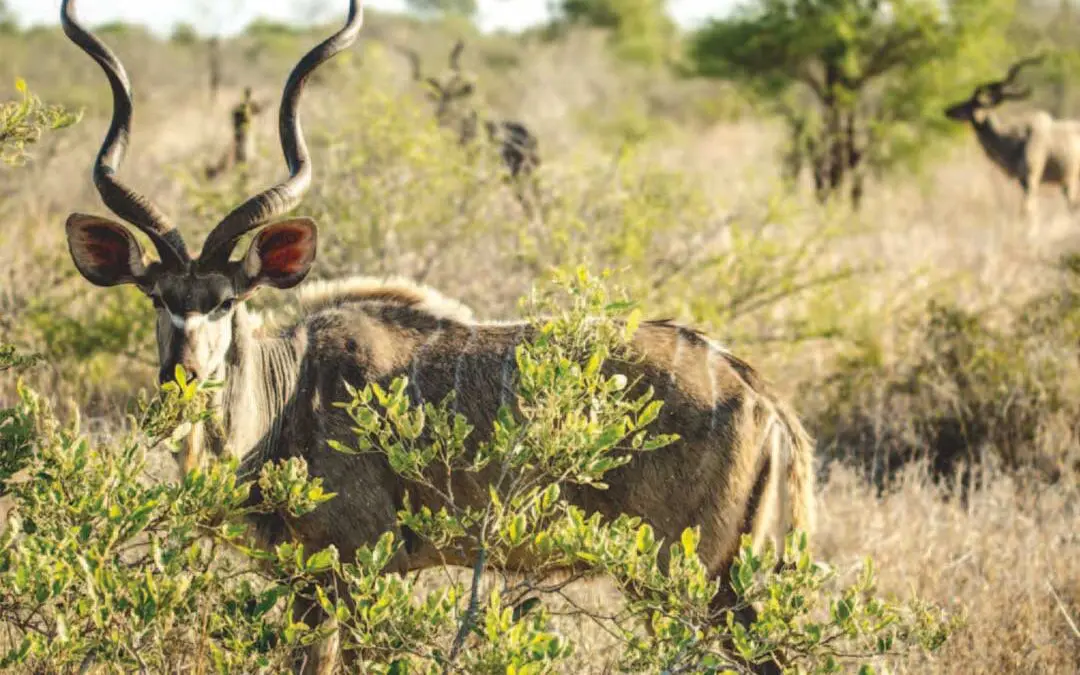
x,y
928,339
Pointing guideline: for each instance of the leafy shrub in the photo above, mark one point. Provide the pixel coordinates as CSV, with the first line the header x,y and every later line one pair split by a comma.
x,y
963,391
100,566
23,121
10,359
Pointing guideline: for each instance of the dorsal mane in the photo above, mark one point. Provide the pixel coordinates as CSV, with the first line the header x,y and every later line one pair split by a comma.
x,y
398,291
746,372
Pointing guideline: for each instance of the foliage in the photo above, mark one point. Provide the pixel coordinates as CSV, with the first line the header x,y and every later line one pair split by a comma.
x,y
964,390
10,359
22,123
1054,32
572,423
99,566
7,19
465,8
861,83
642,30
184,33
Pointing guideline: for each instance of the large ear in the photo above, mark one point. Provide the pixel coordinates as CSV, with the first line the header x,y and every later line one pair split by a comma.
x,y
104,251
281,254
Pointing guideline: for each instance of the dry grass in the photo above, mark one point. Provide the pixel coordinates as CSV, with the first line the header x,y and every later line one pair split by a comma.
x,y
1000,558
1009,556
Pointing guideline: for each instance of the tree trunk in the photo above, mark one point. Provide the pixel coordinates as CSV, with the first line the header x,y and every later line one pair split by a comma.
x,y
854,160
214,53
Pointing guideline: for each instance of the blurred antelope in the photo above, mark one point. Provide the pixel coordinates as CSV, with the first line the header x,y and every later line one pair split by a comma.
x,y
1033,150
743,463
243,147
518,147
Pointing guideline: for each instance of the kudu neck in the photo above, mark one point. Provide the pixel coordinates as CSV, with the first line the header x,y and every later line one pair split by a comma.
x,y
995,141
260,377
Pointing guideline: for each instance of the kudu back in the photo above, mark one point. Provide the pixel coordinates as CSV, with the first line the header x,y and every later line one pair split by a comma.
x,y
743,463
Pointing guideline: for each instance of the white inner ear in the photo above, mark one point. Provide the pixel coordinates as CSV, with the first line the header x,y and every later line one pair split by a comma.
x,y
252,262
137,258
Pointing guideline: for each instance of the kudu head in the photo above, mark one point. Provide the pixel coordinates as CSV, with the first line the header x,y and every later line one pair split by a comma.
x,y
989,95
444,94
195,298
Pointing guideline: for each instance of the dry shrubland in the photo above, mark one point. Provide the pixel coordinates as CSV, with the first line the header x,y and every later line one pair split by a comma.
x,y
929,341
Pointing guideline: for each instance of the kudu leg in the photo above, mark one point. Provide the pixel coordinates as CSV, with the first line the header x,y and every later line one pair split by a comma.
x,y
1030,184
322,657
1071,189
724,601
1029,208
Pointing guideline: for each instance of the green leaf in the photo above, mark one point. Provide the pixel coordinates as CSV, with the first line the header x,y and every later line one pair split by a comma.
x,y
689,542
645,539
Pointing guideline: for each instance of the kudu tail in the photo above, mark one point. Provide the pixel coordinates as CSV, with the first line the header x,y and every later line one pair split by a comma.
x,y
787,468
798,455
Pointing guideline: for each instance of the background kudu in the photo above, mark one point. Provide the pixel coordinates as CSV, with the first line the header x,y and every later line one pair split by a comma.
x,y
243,142
1034,149
743,463
518,147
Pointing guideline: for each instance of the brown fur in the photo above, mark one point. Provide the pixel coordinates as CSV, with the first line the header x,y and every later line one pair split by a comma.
x,y
743,463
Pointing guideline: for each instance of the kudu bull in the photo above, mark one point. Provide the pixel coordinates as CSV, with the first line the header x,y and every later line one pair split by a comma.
x,y
743,463
1032,150
517,145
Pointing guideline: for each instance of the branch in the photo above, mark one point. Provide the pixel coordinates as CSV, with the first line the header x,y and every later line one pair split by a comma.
x,y
470,613
888,56
804,74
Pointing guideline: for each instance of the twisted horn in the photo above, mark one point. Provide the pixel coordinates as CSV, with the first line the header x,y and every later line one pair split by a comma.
x,y
1015,68
122,200
417,72
286,195
455,56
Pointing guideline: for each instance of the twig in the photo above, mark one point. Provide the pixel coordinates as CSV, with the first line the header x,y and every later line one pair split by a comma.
x,y
470,613
1064,611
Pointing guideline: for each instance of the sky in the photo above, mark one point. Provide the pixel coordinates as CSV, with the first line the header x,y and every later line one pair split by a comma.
x,y
228,16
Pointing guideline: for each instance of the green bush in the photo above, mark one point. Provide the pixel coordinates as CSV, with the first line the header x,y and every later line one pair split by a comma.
x,y
23,121
965,390
641,30
100,566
